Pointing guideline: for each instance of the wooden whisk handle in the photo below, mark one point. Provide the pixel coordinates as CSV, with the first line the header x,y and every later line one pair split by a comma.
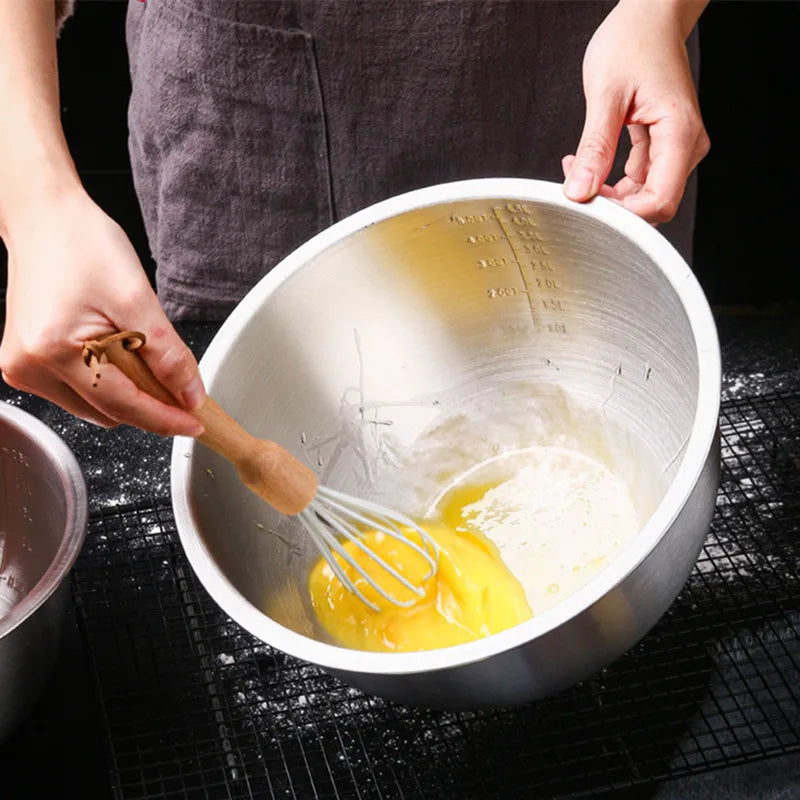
x,y
265,467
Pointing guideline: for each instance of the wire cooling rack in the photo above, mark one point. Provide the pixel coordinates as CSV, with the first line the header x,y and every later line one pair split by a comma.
x,y
197,708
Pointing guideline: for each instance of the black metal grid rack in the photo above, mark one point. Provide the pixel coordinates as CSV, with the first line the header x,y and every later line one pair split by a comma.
x,y
197,708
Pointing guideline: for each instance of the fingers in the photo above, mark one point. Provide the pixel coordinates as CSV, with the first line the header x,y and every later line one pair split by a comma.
x,y
66,381
594,157
635,168
117,398
56,391
676,147
64,289
48,363
659,163
168,357
638,162
605,190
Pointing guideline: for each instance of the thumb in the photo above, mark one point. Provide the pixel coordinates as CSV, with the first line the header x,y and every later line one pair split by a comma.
x,y
594,157
167,355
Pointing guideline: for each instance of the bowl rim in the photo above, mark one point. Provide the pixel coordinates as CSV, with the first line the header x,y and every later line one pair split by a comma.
x,y
695,450
73,534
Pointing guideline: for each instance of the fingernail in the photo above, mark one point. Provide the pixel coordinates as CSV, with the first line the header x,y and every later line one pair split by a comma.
x,y
194,394
196,431
579,184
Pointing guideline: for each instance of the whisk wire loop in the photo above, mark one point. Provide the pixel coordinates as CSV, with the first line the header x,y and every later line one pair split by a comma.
x,y
330,542
325,542
380,516
354,535
332,513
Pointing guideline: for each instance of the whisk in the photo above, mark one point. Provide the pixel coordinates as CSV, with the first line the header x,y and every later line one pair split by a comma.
x,y
329,517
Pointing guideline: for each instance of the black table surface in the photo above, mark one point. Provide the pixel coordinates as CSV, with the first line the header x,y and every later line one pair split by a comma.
x,y
60,750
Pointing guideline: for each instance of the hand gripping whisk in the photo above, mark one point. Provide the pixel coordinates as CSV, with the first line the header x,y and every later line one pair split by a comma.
x,y
329,517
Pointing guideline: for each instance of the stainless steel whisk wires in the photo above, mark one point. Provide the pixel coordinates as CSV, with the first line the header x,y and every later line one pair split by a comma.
x,y
333,514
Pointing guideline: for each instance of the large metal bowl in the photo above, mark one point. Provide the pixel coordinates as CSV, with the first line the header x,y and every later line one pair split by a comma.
x,y
42,527
490,310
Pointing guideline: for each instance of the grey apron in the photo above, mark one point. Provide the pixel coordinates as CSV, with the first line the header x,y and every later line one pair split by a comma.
x,y
253,125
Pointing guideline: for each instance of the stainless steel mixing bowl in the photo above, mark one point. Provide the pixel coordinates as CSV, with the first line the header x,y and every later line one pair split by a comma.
x,y
492,310
42,527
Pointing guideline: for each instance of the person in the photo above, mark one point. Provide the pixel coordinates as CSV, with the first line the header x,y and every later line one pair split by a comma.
x,y
255,124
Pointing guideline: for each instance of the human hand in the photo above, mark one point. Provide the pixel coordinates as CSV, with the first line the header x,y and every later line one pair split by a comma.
x,y
636,73
73,275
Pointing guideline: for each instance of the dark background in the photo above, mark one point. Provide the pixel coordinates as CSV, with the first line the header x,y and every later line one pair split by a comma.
x,y
747,217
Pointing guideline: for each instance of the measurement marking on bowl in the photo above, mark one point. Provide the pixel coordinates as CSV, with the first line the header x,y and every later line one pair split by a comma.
x,y
518,259
13,582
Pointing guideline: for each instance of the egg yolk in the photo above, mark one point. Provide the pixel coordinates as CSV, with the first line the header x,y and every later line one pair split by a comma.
x,y
472,594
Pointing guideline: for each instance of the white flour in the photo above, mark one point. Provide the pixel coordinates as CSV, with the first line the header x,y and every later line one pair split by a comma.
x,y
557,521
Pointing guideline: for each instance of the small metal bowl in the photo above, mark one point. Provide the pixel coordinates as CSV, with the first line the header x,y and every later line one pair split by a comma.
x,y
43,514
